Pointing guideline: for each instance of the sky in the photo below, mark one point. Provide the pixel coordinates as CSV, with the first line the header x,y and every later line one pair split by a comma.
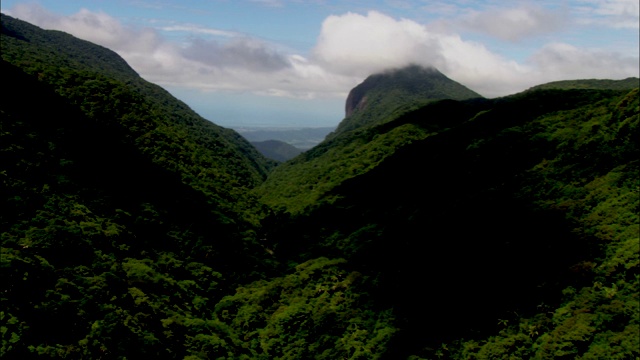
x,y
291,63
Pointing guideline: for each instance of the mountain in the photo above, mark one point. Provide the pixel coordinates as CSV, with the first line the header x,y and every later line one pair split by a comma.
x,y
595,84
364,138
148,115
129,229
123,211
380,97
464,228
301,138
71,61
504,228
276,150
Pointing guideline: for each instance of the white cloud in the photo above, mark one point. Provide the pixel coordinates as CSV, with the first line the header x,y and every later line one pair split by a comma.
x,y
357,45
628,8
240,52
240,63
349,48
515,23
96,27
612,13
564,61
354,44
270,3
195,29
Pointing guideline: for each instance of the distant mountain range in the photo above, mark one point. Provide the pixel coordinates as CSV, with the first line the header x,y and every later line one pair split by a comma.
x,y
276,150
431,223
301,138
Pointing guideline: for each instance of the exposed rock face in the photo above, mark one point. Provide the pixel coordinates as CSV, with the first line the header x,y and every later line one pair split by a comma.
x,y
354,103
382,93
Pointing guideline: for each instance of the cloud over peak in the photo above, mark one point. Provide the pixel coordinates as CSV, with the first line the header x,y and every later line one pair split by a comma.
x,y
350,47
356,44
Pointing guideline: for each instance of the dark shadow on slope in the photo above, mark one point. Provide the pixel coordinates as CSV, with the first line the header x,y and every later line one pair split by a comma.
x,y
444,229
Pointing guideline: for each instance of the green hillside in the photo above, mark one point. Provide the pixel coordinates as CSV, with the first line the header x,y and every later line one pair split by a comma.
x,y
121,208
594,84
433,224
93,77
365,137
502,223
382,97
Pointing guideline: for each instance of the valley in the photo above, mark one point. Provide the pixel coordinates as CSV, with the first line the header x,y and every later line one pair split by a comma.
x,y
430,223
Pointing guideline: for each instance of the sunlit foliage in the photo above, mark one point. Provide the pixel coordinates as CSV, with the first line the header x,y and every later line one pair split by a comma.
x,y
453,229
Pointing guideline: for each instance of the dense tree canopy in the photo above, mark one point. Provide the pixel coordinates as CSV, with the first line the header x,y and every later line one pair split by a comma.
x,y
433,225
508,217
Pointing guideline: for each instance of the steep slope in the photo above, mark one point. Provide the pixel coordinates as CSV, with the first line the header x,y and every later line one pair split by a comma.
x,y
364,138
90,73
125,216
503,228
381,97
510,230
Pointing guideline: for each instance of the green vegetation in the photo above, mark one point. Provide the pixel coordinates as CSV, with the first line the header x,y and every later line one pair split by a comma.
x,y
505,222
463,228
319,311
365,137
107,89
121,207
383,97
594,84
302,182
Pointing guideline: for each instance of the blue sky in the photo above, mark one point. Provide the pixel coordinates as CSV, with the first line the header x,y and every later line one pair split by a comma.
x,y
291,63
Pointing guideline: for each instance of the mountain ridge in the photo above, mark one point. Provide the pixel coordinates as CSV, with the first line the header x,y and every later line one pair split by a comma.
x,y
74,68
408,87
452,229
448,200
115,196
276,149
593,84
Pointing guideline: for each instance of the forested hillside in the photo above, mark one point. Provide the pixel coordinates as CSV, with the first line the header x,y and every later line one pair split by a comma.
x,y
594,84
121,208
364,138
509,229
433,224
382,97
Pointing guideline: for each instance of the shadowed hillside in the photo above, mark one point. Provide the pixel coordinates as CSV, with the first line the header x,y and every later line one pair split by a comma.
x,y
362,140
500,227
122,210
432,224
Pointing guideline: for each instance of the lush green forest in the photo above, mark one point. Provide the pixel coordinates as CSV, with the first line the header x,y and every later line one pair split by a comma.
x,y
602,84
382,97
432,224
500,222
